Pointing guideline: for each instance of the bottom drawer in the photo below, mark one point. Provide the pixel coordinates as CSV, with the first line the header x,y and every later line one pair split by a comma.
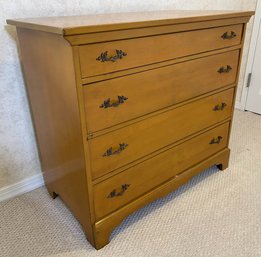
x,y
124,187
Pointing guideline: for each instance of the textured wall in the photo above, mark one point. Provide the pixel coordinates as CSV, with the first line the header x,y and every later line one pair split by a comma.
x,y
18,152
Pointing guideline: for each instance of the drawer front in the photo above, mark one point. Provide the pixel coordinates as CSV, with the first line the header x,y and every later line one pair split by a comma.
x,y
132,183
102,58
114,101
117,148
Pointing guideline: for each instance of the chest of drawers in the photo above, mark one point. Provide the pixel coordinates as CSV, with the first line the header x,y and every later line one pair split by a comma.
x,y
127,107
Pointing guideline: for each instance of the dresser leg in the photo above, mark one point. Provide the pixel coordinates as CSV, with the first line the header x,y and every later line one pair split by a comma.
x,y
224,161
51,192
53,195
101,238
102,232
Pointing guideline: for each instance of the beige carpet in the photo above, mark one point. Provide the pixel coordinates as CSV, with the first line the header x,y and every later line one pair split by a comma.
x,y
217,214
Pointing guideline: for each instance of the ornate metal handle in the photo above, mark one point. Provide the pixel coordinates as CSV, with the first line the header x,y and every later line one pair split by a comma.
x,y
229,36
105,58
220,107
216,140
113,151
225,69
114,193
113,103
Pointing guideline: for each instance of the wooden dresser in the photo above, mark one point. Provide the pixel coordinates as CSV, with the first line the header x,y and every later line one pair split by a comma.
x,y
127,107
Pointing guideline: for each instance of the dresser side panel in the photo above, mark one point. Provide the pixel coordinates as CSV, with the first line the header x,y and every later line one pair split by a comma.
x,y
237,78
51,87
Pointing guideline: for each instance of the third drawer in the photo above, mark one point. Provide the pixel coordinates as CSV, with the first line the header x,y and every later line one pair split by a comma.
x,y
120,147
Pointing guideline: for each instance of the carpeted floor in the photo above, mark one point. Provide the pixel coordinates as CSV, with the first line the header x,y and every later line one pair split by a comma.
x,y
217,214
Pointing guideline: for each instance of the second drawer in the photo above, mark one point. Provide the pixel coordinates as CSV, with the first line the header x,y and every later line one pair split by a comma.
x,y
120,147
117,100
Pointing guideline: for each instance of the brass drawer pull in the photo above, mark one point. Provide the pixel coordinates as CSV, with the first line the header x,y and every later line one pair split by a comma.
x,y
229,36
114,193
113,103
216,140
220,107
113,151
225,69
105,58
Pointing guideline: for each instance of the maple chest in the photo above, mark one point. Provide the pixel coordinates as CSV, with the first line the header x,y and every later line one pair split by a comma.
x,y
127,107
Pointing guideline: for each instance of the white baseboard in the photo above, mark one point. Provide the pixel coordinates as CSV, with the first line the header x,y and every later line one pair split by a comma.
x,y
21,187
238,105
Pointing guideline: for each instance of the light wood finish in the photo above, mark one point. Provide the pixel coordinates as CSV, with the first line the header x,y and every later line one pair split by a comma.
x,y
148,50
71,25
169,127
148,67
142,178
104,227
152,114
102,36
171,81
56,117
153,154
151,96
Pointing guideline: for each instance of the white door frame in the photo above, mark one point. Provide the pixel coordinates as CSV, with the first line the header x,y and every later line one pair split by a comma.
x,y
251,55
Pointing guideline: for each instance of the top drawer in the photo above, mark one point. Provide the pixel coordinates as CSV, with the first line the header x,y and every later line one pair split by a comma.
x,y
102,58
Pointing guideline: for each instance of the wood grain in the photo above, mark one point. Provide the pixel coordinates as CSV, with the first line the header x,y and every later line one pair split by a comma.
x,y
156,132
71,25
103,36
155,171
148,67
168,121
154,49
104,227
54,104
156,89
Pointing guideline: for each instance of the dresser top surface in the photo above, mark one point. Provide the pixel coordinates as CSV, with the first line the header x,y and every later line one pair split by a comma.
x,y
70,25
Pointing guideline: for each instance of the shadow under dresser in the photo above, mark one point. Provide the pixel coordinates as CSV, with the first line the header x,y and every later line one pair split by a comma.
x,y
127,107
